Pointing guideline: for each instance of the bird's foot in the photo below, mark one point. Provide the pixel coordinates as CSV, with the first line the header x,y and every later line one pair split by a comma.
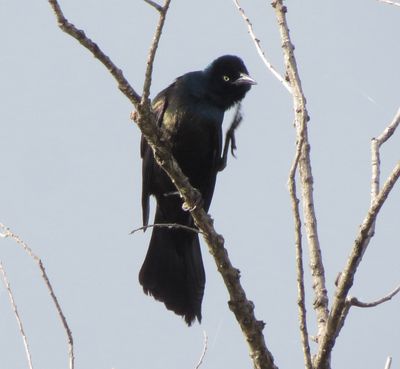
x,y
197,203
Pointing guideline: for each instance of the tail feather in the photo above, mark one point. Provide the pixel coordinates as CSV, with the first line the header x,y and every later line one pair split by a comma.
x,y
173,270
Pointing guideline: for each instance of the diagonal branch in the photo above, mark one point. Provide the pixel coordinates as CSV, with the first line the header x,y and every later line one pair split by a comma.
x,y
16,314
203,353
260,51
388,363
7,233
154,46
299,258
310,220
342,303
389,2
239,304
156,6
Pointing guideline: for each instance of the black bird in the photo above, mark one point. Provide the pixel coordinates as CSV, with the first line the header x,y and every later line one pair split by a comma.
x,y
190,111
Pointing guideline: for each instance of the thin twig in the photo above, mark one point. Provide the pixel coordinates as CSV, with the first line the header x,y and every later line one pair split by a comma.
x,y
260,51
156,6
310,219
376,143
8,233
152,53
389,2
299,258
355,302
203,353
347,276
16,314
388,363
166,225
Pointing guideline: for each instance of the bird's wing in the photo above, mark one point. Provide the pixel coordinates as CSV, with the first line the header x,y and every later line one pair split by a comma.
x,y
159,106
216,144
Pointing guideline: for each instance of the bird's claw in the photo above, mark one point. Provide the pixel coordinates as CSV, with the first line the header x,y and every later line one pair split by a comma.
x,y
186,207
198,202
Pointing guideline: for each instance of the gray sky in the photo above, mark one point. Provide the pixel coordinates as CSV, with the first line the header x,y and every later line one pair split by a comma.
x,y
71,179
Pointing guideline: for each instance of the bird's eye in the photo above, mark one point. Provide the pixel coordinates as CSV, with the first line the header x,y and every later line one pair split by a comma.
x,y
226,78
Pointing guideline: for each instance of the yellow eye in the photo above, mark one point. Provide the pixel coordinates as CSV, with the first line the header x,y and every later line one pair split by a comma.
x,y
226,78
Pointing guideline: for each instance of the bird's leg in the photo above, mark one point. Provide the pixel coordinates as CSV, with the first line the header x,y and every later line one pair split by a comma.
x,y
230,139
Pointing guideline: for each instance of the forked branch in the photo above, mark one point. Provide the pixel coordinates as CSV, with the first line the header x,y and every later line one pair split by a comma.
x,y
342,303
156,6
376,144
337,315
6,232
260,51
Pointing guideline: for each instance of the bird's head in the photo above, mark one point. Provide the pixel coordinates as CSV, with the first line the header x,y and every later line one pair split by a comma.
x,y
228,80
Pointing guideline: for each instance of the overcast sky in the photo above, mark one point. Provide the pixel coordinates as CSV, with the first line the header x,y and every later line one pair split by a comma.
x,y
70,181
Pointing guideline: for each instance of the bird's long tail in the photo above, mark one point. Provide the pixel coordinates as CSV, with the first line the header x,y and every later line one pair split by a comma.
x,y
173,270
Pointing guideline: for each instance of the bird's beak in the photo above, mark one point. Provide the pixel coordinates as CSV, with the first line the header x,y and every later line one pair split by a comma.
x,y
244,79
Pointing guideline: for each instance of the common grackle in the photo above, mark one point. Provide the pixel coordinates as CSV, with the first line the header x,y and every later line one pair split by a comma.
x,y
191,111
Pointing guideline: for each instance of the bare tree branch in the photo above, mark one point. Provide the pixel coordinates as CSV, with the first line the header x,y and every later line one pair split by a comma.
x,y
152,53
388,362
156,6
342,304
347,276
355,302
389,2
260,51
16,314
203,354
8,233
376,143
166,225
299,259
310,220
239,304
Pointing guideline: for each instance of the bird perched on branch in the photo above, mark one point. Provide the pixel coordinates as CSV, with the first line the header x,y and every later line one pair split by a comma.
x,y
190,111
